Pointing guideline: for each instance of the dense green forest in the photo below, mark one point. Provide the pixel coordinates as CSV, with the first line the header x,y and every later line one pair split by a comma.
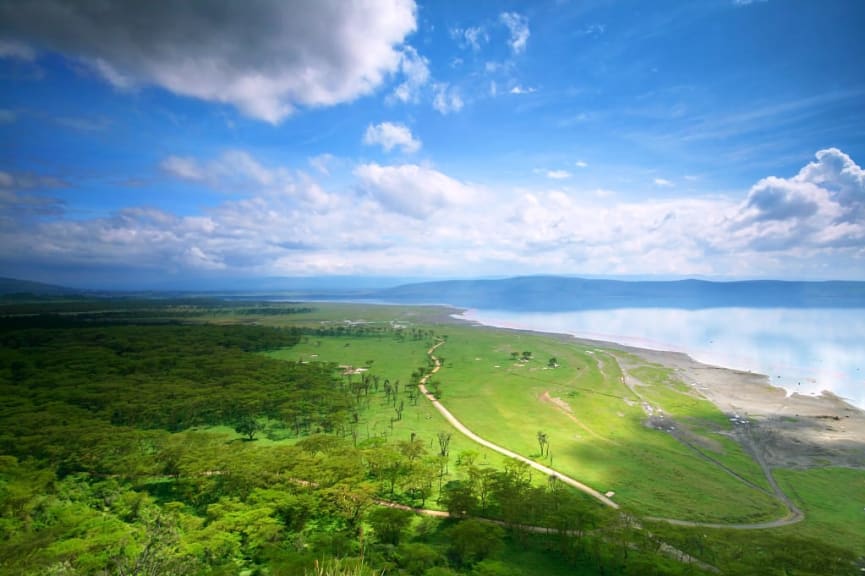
x,y
133,441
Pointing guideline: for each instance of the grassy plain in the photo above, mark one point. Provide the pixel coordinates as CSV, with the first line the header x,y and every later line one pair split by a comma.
x,y
394,360
596,427
833,500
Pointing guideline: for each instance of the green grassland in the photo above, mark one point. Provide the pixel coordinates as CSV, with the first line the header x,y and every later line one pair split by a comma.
x,y
833,500
395,360
601,437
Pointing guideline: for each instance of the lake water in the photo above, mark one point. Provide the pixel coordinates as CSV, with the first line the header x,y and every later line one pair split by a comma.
x,y
802,350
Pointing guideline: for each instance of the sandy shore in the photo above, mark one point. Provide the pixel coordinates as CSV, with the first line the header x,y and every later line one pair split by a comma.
x,y
790,430
786,430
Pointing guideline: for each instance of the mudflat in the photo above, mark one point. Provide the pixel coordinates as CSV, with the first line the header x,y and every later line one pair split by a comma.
x,y
787,430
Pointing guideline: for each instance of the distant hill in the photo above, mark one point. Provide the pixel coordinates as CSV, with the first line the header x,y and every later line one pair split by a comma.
x,y
10,286
556,293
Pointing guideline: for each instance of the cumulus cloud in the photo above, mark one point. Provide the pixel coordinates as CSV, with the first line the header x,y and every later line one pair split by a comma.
x,y
415,219
413,190
447,99
265,58
389,136
823,205
518,26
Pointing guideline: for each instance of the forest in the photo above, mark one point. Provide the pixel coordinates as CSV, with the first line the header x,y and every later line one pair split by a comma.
x,y
165,438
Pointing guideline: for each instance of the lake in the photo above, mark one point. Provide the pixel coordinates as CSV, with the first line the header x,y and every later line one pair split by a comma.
x,y
803,350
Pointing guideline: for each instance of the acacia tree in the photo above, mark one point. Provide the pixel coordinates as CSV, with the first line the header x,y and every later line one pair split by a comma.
x,y
444,439
473,540
248,426
543,442
389,523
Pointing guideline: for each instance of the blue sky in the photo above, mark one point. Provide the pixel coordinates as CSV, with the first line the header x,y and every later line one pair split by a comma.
x,y
214,141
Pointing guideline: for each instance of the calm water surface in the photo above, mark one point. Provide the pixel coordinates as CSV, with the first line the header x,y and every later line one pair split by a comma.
x,y
802,350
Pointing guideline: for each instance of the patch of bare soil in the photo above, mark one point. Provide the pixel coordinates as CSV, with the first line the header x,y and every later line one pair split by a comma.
x,y
564,407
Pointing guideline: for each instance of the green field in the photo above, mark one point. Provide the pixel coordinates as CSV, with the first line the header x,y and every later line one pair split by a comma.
x,y
394,360
595,425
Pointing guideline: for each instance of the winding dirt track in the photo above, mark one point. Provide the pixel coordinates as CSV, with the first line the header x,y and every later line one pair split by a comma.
x,y
483,442
793,516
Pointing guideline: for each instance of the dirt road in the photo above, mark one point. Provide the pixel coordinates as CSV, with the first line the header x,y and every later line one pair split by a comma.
x,y
504,451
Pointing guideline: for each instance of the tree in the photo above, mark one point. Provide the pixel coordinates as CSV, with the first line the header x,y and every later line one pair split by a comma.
x,y
482,481
472,541
389,523
248,426
543,442
553,362
444,439
458,498
412,449
417,558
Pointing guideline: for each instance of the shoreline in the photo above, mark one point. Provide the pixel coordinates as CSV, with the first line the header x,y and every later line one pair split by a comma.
x,y
789,430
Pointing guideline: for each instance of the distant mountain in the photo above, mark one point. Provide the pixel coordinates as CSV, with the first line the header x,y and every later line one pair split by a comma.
x,y
556,293
9,286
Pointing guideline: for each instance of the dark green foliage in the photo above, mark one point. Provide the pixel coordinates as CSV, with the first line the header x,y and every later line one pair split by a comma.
x,y
248,426
473,540
389,523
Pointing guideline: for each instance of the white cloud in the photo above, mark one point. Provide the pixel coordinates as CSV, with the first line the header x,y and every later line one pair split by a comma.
x,y
581,164
747,2
389,136
233,171
183,168
413,190
415,70
471,37
447,99
822,206
265,58
322,163
663,182
594,30
416,219
518,25
558,174
520,90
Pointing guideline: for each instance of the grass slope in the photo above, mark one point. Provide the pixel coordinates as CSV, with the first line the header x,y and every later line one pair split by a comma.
x,y
595,425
